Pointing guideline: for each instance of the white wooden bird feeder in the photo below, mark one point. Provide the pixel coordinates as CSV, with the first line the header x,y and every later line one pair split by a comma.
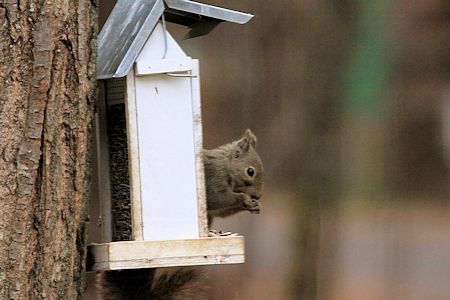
x,y
149,140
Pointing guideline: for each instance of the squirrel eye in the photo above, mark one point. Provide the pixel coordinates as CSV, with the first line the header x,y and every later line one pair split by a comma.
x,y
250,172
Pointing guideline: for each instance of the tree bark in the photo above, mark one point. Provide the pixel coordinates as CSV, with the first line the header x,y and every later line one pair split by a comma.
x,y
47,84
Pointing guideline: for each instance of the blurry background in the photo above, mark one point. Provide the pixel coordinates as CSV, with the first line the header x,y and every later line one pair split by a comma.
x,y
350,101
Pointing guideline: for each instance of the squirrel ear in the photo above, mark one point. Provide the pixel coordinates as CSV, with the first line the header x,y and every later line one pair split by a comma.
x,y
247,140
250,137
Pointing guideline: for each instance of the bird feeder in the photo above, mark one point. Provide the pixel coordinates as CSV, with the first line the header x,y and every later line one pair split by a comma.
x,y
149,140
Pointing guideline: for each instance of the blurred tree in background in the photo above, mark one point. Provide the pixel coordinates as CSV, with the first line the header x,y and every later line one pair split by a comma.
x,y
345,97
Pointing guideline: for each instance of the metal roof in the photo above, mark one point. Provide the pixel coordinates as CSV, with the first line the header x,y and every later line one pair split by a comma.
x,y
131,22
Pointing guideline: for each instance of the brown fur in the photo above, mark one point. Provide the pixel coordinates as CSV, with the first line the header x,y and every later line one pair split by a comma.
x,y
148,284
228,188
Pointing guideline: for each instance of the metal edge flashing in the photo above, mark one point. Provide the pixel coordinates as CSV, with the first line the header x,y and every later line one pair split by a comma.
x,y
124,34
211,11
139,42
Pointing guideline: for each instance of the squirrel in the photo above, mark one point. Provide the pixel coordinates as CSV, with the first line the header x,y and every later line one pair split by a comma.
x,y
234,177
234,183
145,284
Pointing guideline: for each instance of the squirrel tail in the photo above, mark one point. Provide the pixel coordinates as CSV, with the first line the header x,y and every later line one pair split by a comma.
x,y
147,284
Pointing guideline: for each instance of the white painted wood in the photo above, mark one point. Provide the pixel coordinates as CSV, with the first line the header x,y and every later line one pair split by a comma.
x,y
133,158
166,148
154,49
198,142
152,254
167,157
177,262
158,66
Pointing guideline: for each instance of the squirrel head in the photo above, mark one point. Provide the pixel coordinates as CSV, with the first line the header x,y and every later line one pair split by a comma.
x,y
245,168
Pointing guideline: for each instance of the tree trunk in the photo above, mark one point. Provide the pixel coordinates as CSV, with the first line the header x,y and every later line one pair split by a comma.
x,y
47,84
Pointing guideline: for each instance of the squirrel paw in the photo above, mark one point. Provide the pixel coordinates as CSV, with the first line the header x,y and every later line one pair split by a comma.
x,y
251,204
